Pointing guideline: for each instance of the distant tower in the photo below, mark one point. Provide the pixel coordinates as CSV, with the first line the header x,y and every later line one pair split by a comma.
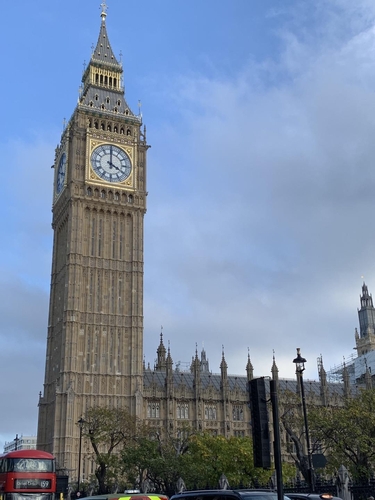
x,y
161,353
249,368
204,362
95,329
365,341
275,371
323,381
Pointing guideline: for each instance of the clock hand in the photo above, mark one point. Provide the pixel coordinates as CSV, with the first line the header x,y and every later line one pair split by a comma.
x,y
112,165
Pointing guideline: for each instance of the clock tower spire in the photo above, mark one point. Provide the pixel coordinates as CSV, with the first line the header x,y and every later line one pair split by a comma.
x,y
95,329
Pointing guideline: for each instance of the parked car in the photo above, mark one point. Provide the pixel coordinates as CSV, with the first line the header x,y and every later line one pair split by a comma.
x,y
128,496
227,495
311,496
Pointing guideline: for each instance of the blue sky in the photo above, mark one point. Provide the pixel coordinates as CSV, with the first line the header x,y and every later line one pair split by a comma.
x,y
261,177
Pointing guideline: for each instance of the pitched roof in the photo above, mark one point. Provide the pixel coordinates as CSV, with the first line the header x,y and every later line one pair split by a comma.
x,y
187,378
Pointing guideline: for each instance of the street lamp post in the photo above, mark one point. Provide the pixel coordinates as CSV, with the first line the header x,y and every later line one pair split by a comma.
x,y
300,368
80,423
16,442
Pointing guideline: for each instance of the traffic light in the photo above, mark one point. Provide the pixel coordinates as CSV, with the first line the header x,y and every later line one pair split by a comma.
x,y
259,423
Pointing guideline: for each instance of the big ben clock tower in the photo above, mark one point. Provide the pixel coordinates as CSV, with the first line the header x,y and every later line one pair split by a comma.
x,y
95,329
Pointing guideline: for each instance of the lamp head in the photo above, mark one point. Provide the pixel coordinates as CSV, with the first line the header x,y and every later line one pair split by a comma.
x,y
299,361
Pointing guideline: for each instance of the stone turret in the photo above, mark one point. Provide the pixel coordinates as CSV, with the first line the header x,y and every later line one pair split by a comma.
x,y
224,371
161,355
204,362
365,342
274,370
249,368
196,370
323,382
169,374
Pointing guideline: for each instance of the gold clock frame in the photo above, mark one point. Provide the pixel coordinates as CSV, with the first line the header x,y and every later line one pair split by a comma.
x,y
93,178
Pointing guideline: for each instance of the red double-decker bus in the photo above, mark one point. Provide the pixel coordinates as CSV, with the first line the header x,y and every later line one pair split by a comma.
x,y
27,475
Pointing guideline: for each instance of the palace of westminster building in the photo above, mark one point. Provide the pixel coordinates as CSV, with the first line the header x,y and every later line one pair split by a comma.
x,y
95,327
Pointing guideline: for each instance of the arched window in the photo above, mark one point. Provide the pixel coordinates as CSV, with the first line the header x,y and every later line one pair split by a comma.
x,y
210,412
100,236
238,413
114,239
182,411
153,410
93,236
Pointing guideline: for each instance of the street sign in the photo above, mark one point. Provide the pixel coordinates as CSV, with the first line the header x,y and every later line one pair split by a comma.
x,y
319,461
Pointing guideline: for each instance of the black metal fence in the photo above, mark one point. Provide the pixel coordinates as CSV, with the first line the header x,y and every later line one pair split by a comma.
x,y
362,491
321,486
357,491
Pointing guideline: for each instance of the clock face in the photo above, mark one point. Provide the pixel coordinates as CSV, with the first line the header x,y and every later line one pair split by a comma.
x,y
111,163
61,170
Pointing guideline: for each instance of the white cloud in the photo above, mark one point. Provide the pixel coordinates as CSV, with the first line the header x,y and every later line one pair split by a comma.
x,y
266,239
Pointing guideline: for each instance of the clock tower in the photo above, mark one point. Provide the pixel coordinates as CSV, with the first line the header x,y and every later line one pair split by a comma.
x,y
95,329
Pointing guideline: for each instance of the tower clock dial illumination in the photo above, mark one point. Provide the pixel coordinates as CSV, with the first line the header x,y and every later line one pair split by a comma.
x,y
61,170
110,163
